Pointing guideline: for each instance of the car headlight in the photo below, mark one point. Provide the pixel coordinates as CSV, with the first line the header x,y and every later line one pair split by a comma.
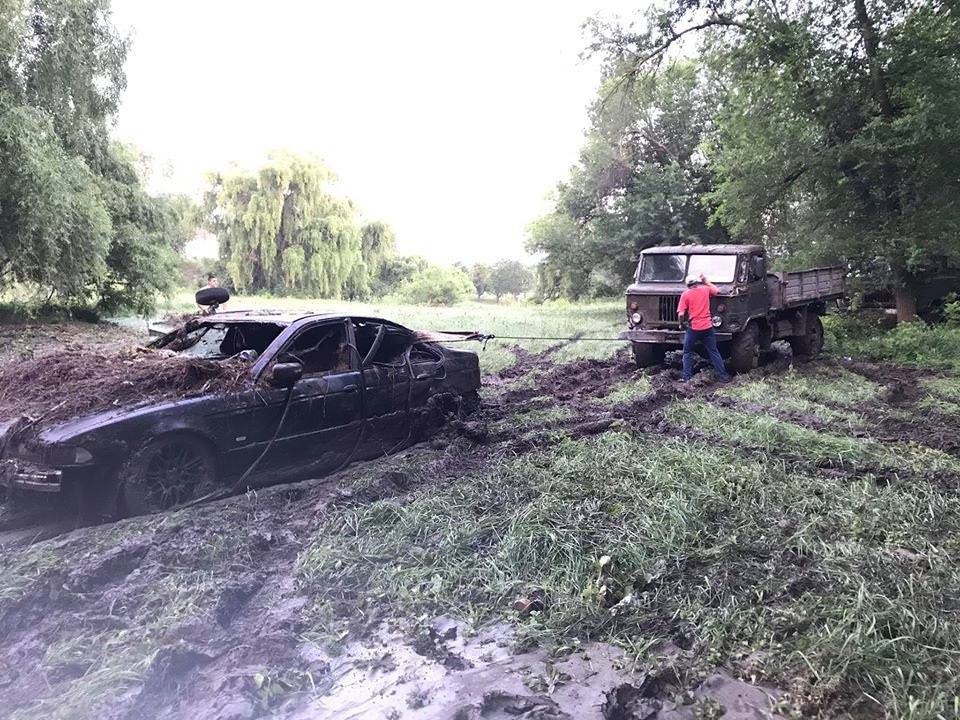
x,y
68,455
716,320
636,318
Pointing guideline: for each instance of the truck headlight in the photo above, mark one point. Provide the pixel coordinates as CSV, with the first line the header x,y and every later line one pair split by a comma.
x,y
636,318
716,320
81,456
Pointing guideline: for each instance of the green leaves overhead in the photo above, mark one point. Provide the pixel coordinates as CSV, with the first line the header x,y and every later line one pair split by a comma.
x,y
52,215
641,181
75,222
282,229
835,136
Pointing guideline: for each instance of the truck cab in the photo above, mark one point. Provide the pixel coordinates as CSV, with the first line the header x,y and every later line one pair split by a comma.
x,y
753,306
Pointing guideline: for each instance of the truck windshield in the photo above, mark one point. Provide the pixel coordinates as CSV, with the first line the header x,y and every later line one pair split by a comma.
x,y
716,268
676,268
663,268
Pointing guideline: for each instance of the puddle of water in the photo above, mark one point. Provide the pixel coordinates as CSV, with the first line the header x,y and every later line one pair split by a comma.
x,y
469,675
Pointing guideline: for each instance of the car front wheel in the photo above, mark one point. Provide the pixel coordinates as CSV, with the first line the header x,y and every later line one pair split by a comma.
x,y
164,473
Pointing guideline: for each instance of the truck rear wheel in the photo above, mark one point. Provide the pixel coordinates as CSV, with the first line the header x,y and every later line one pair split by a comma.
x,y
810,343
745,349
648,354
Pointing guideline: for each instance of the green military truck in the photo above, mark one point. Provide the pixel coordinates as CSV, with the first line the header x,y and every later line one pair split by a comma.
x,y
753,308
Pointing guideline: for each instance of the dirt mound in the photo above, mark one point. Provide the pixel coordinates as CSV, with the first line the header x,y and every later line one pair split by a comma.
x,y
37,388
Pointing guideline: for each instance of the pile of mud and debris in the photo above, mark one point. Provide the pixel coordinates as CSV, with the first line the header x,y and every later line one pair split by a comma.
x,y
70,383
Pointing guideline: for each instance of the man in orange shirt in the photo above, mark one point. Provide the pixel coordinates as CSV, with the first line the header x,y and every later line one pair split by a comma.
x,y
695,308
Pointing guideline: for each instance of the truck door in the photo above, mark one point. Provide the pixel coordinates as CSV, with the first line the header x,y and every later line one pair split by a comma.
x,y
758,296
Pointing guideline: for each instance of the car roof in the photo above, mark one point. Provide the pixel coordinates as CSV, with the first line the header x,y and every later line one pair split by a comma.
x,y
273,317
277,317
702,249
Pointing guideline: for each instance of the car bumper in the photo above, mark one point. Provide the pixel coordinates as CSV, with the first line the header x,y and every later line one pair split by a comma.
x,y
663,337
20,475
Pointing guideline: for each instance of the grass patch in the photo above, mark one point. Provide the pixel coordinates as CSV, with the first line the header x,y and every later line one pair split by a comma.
x,y
92,665
943,388
797,393
778,437
912,343
530,419
628,391
845,591
765,432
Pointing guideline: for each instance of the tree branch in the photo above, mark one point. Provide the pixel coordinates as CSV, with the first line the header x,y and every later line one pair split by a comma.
x,y
675,36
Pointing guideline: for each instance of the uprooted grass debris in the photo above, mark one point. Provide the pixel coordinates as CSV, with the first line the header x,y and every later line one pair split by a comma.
x,y
69,383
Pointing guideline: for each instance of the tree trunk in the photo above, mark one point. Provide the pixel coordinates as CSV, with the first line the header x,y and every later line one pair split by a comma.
x,y
871,48
906,303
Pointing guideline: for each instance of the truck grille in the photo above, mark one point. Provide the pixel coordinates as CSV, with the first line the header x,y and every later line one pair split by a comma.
x,y
668,308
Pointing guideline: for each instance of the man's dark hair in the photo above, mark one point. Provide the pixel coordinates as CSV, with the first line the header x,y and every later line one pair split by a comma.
x,y
211,276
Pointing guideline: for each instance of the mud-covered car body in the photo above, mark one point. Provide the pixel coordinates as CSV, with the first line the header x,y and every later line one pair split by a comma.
x,y
355,396
753,307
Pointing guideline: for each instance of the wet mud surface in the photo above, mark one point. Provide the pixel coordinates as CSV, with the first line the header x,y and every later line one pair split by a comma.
x,y
230,641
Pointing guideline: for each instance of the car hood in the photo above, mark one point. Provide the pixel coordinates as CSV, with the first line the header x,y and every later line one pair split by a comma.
x,y
67,430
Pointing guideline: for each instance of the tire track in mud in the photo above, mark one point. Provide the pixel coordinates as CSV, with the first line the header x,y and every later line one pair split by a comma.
x,y
903,389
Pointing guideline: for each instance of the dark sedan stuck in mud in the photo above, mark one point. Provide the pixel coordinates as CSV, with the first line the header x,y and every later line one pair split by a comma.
x,y
262,398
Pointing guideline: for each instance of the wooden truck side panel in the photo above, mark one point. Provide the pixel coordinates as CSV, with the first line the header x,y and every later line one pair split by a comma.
x,y
790,289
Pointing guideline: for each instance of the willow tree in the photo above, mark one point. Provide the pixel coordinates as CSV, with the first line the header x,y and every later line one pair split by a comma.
x,y
281,229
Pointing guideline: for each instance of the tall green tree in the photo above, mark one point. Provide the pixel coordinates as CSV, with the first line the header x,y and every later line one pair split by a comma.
x,y
281,229
74,218
510,277
480,275
641,181
837,136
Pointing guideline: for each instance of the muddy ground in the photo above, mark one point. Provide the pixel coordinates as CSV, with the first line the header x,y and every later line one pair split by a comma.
x,y
206,613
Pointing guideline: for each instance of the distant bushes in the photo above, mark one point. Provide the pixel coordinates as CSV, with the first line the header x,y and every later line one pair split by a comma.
x,y
913,343
18,311
434,285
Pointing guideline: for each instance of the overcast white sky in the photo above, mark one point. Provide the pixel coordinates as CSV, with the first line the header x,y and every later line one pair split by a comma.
x,y
452,121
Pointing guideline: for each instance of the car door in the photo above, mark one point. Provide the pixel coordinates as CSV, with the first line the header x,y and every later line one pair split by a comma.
x,y
321,420
387,384
427,364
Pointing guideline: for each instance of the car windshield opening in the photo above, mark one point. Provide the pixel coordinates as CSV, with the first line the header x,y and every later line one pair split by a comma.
x,y
716,268
662,268
223,340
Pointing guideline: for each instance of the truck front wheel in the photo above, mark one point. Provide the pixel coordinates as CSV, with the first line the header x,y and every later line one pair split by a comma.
x,y
745,349
648,354
810,343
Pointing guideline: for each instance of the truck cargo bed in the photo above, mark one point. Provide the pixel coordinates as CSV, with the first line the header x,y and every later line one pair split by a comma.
x,y
788,289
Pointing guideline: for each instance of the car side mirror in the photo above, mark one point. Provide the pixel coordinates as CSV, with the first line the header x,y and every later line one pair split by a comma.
x,y
286,375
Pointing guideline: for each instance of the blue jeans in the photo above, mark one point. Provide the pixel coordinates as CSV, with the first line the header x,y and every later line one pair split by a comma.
x,y
709,339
